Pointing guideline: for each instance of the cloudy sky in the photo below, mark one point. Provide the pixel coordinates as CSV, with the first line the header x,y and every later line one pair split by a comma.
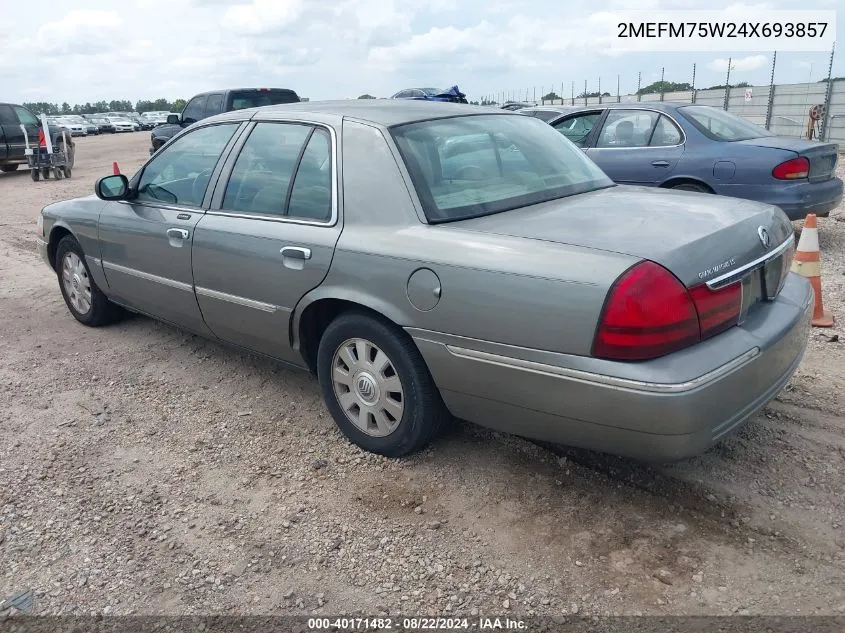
x,y
145,49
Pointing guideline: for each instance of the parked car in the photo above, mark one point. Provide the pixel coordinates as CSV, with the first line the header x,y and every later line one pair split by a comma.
x,y
208,104
452,95
516,105
122,125
706,149
90,128
13,140
103,125
73,127
533,296
546,112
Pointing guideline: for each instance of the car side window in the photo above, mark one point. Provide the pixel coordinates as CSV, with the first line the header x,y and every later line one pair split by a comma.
x,y
26,117
180,172
264,169
666,133
578,127
214,105
195,110
627,128
7,115
311,193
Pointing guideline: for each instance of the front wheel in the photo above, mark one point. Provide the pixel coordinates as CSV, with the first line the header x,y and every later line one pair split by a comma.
x,y
377,386
7,168
84,299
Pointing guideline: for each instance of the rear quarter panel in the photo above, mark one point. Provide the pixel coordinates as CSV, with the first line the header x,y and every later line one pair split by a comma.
x,y
515,291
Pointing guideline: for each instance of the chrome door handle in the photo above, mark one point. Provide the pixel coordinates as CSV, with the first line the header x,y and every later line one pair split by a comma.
x,y
177,234
296,252
660,163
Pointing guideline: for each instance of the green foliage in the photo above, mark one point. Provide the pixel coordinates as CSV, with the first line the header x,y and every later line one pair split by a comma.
x,y
589,95
366,96
741,84
550,96
115,105
664,86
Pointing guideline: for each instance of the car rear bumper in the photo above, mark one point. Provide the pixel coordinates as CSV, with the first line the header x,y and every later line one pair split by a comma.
x,y
642,415
797,199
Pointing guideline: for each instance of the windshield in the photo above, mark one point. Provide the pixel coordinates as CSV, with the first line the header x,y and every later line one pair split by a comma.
x,y
258,98
720,125
468,166
431,91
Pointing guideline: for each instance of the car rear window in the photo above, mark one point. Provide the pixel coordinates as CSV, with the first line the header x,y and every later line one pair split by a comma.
x,y
720,125
468,166
241,100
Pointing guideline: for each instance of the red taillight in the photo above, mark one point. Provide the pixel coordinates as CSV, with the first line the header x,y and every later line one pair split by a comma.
x,y
792,169
650,313
717,309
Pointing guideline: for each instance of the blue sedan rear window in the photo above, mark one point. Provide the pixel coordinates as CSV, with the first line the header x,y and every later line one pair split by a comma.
x,y
468,166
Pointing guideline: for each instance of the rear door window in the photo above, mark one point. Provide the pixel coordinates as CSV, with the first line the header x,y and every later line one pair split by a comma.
x,y
26,117
264,169
214,105
666,133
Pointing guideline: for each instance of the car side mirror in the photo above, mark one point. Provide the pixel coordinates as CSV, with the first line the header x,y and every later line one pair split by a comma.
x,y
173,119
112,187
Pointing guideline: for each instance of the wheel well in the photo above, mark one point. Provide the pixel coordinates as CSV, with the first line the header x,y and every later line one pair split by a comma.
x,y
681,181
56,236
316,318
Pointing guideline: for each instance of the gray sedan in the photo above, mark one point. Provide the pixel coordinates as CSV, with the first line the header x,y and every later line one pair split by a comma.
x,y
430,261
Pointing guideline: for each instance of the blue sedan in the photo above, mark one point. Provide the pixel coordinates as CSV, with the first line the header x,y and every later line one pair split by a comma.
x,y
702,148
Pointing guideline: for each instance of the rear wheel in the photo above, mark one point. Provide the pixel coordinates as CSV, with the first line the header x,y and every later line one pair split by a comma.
x,y
45,172
691,186
377,386
84,299
35,175
7,168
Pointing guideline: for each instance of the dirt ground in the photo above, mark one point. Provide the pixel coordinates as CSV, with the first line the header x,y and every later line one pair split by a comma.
x,y
144,470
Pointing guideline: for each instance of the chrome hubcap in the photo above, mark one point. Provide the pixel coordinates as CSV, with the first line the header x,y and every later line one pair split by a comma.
x,y
76,283
367,387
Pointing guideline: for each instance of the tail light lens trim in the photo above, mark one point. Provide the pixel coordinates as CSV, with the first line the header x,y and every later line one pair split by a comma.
x,y
792,169
649,313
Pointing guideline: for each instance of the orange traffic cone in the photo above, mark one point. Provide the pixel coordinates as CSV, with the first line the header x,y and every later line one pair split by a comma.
x,y
115,169
807,263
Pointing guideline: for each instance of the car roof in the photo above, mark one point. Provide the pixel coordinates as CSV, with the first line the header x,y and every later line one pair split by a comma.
x,y
651,105
385,112
224,90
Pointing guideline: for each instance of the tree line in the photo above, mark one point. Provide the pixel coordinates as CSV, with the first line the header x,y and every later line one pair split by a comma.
x,y
115,105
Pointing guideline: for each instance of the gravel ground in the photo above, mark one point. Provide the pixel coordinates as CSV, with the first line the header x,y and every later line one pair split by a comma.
x,y
144,470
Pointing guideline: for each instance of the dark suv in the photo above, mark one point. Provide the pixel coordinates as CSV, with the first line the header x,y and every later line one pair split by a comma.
x,y
13,140
208,104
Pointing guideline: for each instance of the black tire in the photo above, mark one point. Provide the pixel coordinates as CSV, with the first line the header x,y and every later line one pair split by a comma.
x,y
68,172
691,186
70,152
101,310
35,175
58,173
7,168
45,173
423,415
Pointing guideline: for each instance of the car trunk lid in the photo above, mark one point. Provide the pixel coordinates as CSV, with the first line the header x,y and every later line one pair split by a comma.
x,y
698,237
822,156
